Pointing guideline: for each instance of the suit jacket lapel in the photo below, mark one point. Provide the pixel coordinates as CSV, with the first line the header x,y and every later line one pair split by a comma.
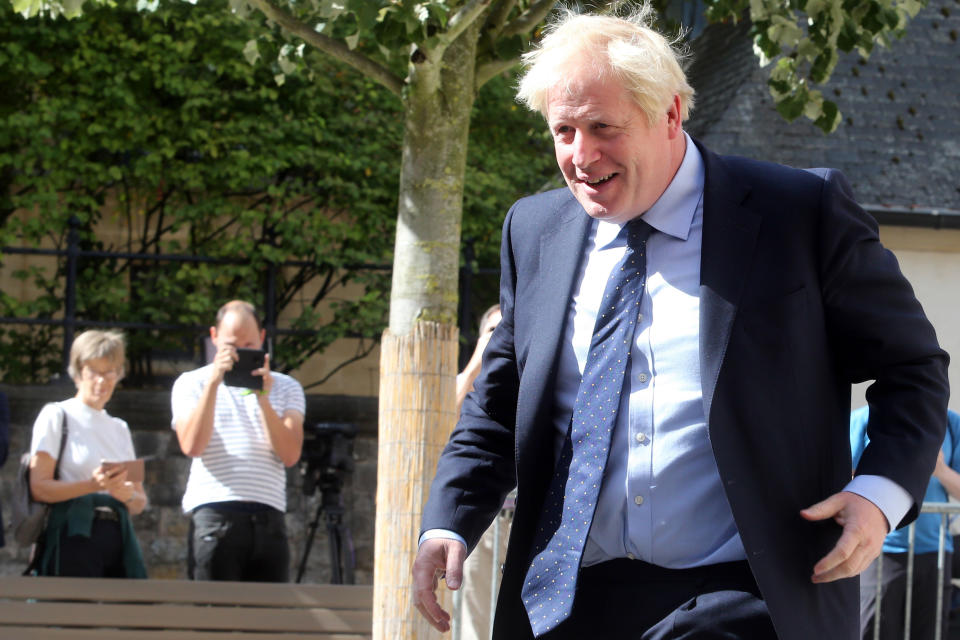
x,y
729,235
560,257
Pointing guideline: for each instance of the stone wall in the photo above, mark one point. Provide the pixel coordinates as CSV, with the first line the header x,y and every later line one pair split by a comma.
x,y
162,528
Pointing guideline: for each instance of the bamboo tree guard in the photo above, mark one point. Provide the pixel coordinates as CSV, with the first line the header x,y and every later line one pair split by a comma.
x,y
417,413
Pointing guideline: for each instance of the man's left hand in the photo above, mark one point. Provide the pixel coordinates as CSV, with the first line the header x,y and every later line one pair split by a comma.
x,y
264,371
864,528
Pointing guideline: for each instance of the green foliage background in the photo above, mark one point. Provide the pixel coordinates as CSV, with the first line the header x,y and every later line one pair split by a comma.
x,y
156,122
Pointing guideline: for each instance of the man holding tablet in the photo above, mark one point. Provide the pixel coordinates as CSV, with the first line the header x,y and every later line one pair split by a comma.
x,y
240,439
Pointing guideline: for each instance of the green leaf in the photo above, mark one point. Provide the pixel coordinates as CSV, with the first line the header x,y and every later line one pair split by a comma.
x,y
829,118
365,11
848,37
251,51
759,10
330,9
287,65
815,7
352,40
72,8
784,31
439,11
791,107
823,66
27,8
767,46
813,104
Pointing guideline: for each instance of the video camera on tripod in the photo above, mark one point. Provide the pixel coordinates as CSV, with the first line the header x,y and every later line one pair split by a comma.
x,y
326,459
327,449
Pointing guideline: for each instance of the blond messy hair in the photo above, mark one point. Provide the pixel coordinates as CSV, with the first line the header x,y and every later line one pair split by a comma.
x,y
625,50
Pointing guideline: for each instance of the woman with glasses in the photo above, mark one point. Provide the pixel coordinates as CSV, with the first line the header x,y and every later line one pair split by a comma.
x,y
88,531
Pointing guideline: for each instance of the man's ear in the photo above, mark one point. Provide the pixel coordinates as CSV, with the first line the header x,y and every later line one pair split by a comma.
x,y
674,119
263,337
213,334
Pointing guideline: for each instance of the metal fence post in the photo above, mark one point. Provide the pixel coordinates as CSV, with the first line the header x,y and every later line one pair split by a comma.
x,y
494,573
270,306
879,597
456,623
941,557
70,290
908,602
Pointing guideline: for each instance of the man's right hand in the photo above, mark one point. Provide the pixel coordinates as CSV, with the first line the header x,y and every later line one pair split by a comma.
x,y
437,558
223,361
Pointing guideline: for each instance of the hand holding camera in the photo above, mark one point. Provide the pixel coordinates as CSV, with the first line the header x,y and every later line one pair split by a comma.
x,y
250,369
240,367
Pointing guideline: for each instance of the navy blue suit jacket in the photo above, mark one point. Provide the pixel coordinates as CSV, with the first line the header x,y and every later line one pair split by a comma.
x,y
798,300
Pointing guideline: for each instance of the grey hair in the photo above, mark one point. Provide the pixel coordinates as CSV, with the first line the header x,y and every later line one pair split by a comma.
x,y
94,344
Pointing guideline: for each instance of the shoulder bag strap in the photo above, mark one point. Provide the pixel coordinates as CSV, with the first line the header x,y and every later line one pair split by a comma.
x,y
63,442
36,552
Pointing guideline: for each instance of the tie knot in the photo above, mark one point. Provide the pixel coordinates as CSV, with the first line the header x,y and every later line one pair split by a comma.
x,y
637,232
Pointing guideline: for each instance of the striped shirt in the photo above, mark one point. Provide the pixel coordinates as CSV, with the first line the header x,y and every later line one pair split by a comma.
x,y
238,463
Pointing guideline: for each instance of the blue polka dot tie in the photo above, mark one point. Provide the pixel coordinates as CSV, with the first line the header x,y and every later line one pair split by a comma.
x,y
551,580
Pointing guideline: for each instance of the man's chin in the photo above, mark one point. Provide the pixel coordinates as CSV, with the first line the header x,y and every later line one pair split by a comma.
x,y
599,212
597,209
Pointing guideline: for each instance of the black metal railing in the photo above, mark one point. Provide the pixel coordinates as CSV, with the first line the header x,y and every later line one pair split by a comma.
x,y
74,254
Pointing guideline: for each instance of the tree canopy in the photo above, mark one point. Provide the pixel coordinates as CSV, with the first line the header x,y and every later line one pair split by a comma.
x,y
801,38
156,125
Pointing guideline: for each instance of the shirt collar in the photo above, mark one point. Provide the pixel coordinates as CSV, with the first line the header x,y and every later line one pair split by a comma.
x,y
673,212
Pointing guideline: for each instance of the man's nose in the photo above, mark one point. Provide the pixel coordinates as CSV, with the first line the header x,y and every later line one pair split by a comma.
x,y
585,150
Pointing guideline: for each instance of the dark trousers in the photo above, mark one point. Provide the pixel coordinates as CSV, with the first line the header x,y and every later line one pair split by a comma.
x,y
238,541
97,556
633,600
893,598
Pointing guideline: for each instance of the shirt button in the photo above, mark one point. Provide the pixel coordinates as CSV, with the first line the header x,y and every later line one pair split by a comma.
x,y
641,437
642,377
638,500
631,556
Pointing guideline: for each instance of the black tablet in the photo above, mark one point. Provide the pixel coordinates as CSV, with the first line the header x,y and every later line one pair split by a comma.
x,y
241,376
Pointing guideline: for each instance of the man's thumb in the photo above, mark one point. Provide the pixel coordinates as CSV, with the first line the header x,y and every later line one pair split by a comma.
x,y
822,510
454,571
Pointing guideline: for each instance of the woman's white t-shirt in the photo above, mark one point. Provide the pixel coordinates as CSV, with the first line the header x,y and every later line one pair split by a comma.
x,y
93,436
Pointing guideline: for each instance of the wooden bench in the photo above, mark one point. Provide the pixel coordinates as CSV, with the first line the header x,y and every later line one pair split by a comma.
x,y
105,609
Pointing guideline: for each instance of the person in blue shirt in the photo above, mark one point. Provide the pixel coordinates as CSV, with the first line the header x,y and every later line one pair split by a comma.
x,y
944,482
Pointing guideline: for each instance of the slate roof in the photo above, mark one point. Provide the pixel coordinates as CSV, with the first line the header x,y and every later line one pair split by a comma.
x,y
899,142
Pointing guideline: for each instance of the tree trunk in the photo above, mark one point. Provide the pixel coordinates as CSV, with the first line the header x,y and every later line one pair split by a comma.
x,y
419,349
412,390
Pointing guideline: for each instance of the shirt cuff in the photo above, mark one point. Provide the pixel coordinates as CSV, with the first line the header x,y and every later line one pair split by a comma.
x,y
892,499
446,534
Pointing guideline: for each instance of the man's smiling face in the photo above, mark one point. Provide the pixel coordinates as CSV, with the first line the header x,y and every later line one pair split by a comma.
x,y
615,163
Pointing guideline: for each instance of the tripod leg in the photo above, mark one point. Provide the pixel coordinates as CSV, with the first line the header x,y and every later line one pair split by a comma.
x,y
336,576
338,535
314,525
343,535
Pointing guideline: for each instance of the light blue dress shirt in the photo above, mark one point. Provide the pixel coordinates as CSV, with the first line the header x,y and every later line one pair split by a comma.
x,y
662,499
